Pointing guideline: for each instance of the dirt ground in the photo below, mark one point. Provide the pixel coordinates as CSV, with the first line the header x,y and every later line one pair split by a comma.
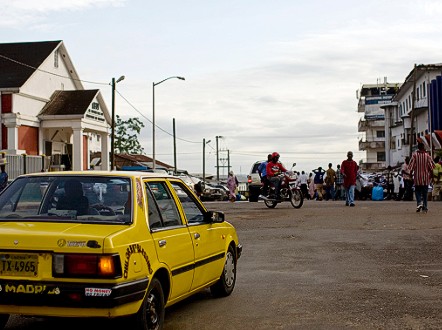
x,y
325,266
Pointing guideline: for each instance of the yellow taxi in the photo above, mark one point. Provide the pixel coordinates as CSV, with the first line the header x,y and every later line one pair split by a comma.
x,y
109,244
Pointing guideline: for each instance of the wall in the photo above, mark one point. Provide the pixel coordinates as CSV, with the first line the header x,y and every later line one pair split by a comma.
x,y
28,139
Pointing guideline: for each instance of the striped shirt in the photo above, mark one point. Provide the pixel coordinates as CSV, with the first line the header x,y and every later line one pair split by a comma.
x,y
422,166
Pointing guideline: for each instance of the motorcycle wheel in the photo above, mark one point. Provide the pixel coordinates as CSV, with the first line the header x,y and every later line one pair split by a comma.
x,y
270,204
296,198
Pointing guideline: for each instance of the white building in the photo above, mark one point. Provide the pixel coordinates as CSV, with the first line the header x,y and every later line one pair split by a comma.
x,y
372,124
44,108
407,114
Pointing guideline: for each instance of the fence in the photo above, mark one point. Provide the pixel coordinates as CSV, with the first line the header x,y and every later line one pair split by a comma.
x,y
23,164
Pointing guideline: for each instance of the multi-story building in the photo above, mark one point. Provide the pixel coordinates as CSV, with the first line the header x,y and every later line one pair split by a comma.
x,y
409,119
372,125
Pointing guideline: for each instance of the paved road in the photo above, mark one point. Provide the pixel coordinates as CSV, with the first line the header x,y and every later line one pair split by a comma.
x,y
325,266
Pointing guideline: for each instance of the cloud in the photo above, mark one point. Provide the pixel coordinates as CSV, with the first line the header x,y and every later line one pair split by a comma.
x,y
31,13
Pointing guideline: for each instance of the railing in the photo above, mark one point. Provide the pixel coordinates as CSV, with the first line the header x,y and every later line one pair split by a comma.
x,y
23,164
363,145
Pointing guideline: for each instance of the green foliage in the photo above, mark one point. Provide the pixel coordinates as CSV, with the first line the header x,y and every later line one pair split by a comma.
x,y
126,136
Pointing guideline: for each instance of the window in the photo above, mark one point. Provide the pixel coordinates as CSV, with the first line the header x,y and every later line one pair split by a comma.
x,y
424,93
68,198
380,134
165,203
381,156
190,207
56,59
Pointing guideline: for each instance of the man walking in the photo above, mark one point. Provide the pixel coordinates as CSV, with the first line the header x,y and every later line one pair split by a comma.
x,y
330,183
421,165
339,193
349,170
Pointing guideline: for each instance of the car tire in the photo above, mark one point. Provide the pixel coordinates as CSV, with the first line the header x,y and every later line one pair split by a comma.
x,y
3,320
226,283
152,310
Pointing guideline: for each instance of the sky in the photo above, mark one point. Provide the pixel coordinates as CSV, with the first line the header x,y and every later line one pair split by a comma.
x,y
263,76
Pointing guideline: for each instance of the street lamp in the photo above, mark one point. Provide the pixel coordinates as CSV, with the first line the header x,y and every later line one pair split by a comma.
x,y
113,121
204,160
153,116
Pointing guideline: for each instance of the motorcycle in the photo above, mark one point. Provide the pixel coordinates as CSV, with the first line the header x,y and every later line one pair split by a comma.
x,y
290,191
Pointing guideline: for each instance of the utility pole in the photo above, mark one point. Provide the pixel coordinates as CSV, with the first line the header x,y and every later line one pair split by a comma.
x,y
413,99
217,159
174,148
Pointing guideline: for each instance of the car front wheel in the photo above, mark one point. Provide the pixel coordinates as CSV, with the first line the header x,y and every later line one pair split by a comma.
x,y
226,282
151,313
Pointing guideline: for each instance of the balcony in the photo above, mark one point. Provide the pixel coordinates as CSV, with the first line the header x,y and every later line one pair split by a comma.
x,y
364,145
365,125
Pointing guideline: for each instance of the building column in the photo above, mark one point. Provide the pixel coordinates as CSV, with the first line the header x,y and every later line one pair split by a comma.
x,y
105,161
77,150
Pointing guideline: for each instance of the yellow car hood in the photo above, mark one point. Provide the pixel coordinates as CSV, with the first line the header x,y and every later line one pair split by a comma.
x,y
55,236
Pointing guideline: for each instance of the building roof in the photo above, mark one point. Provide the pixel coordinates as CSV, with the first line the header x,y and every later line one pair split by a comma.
x,y
420,70
127,159
18,61
69,102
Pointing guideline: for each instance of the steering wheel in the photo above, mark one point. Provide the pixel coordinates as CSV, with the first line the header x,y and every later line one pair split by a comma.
x,y
103,209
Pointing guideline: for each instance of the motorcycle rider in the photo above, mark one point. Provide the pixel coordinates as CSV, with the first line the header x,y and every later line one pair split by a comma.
x,y
274,168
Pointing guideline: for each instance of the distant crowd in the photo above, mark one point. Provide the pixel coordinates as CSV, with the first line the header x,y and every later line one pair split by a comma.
x,y
419,174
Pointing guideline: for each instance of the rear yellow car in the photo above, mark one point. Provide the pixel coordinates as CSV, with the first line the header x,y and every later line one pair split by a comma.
x,y
109,244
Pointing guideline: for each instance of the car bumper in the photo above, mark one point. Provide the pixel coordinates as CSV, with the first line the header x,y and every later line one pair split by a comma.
x,y
76,295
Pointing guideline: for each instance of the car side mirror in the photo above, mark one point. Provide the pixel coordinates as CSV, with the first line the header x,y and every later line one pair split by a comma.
x,y
214,217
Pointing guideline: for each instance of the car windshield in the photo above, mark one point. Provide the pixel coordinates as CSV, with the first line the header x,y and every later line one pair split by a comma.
x,y
86,199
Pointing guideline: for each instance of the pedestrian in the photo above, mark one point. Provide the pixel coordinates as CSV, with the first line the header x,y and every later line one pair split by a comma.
x,y
390,183
304,184
421,165
408,180
437,181
349,170
330,177
3,174
339,193
319,182
232,184
262,170
311,186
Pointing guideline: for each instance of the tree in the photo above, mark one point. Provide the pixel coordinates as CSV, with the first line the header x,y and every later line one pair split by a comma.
x,y
126,136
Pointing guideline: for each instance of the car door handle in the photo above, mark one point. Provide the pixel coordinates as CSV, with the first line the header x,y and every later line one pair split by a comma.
x,y
196,235
162,242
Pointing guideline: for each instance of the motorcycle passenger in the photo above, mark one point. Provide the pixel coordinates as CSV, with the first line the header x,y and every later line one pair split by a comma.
x,y
274,168
262,170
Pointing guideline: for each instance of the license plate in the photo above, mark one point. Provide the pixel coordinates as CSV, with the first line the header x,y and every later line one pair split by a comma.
x,y
19,265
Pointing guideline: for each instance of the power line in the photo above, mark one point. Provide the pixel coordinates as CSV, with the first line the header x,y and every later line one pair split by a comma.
x,y
51,73
150,121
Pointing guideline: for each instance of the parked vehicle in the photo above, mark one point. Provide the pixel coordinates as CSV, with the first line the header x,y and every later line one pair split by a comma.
x,y
109,244
254,181
213,193
290,191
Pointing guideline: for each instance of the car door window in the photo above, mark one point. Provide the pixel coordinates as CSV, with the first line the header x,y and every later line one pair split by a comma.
x,y
166,204
192,210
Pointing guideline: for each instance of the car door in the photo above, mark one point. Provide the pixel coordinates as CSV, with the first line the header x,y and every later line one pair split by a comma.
x,y
209,238
173,242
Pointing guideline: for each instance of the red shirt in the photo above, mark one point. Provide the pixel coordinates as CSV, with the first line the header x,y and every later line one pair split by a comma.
x,y
274,168
422,166
349,169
